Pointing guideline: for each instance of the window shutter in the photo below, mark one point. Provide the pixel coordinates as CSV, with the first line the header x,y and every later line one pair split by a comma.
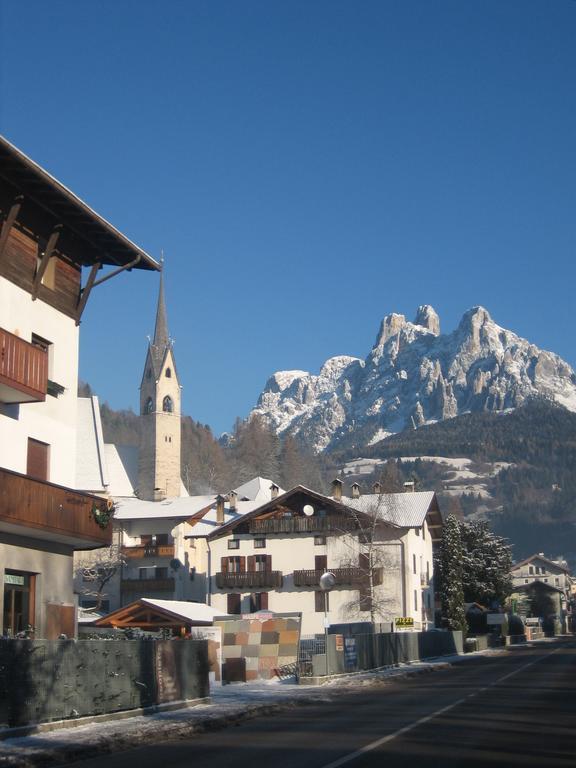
x,y
242,564
268,563
251,563
224,565
263,601
320,562
37,459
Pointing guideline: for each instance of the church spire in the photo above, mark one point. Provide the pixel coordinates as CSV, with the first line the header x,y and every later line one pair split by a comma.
x,y
161,342
161,337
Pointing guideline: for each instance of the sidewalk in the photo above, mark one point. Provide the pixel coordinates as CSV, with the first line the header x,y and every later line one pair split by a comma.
x,y
229,705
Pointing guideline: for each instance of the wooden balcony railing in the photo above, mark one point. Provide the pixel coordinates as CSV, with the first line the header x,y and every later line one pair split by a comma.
x,y
249,579
23,370
344,576
43,510
148,550
147,585
302,524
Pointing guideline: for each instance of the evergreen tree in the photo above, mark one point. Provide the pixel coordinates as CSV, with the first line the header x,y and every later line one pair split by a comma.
x,y
487,560
450,576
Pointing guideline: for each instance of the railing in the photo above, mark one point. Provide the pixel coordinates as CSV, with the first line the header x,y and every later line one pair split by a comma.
x,y
60,513
148,550
249,579
144,585
23,370
311,578
299,524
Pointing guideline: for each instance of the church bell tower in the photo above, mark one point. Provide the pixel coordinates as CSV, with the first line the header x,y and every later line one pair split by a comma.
x,y
159,456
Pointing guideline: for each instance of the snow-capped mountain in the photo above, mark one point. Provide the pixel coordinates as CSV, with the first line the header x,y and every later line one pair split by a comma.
x,y
414,375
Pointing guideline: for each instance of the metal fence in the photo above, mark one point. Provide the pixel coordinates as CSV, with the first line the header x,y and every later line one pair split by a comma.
x,y
310,645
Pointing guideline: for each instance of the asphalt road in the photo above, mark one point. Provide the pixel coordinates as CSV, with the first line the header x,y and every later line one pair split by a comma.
x,y
514,709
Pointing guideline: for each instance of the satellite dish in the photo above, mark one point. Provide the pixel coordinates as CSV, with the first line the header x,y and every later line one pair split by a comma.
x,y
308,510
327,581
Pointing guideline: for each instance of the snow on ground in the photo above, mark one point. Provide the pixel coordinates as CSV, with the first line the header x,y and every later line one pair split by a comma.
x,y
229,704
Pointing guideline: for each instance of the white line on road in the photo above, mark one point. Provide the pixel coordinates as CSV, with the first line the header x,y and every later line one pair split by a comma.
x,y
407,728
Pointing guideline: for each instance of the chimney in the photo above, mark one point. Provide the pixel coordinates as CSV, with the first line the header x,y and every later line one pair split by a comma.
x,y
274,491
232,498
355,491
219,509
159,494
409,487
337,489
377,488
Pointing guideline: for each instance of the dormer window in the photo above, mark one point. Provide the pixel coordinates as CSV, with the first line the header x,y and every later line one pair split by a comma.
x,y
149,406
168,373
167,405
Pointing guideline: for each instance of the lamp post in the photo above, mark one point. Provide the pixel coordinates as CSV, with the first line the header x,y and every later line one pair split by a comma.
x,y
327,582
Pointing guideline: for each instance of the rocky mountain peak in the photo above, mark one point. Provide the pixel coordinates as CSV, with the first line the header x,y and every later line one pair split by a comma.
x,y
414,375
427,317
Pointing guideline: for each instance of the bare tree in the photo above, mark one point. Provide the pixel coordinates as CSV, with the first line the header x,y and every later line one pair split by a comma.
x,y
97,570
368,543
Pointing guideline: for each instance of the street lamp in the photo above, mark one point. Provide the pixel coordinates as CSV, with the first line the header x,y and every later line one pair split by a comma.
x,y
327,582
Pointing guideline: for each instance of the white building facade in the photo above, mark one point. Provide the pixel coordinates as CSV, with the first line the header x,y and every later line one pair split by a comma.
x,y
47,237
379,548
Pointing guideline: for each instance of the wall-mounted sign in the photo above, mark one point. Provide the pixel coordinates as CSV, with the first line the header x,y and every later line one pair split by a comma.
x,y
339,642
404,621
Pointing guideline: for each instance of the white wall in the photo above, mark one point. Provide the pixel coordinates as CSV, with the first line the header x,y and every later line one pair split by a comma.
x,y
395,597
53,575
53,421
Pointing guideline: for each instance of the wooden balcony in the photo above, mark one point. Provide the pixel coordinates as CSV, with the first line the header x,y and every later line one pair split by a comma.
x,y
41,510
344,577
249,579
148,550
143,586
23,370
299,524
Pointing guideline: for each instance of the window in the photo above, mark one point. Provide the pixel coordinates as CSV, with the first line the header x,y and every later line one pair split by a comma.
x,y
233,600
48,347
525,581
149,406
424,530
321,601
319,541
168,373
167,405
415,599
160,538
542,570
260,563
530,570
427,571
233,544
557,581
414,563
49,276
235,565
417,531
19,589
258,601
259,543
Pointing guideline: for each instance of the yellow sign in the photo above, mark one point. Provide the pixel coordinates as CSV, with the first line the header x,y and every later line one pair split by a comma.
x,y
404,621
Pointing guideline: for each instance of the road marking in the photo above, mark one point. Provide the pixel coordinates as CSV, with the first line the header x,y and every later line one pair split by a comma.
x,y
407,728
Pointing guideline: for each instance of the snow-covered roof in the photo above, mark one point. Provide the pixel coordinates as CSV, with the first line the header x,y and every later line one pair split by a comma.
x,y
405,510
91,468
122,461
257,489
543,559
189,611
207,524
182,507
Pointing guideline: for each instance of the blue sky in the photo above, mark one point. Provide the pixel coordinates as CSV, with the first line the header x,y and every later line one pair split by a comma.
x,y
307,167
